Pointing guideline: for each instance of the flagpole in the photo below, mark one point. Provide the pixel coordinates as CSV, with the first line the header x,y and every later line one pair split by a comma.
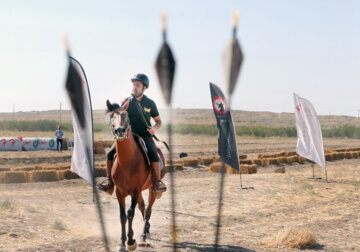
x,y
219,210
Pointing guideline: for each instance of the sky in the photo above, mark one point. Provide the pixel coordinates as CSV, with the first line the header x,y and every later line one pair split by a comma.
x,y
308,47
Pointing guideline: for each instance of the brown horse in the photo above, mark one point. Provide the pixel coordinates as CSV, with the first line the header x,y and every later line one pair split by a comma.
x,y
131,175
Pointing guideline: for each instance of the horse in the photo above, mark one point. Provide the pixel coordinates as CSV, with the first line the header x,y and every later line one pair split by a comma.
x,y
131,175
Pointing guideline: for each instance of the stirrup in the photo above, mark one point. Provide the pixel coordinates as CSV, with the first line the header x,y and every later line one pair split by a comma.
x,y
106,186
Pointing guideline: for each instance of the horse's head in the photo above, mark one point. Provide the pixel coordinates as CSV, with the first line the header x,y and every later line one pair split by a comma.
x,y
119,120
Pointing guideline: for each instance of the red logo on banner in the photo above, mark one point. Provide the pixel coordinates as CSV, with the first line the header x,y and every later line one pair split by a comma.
x,y
219,105
298,107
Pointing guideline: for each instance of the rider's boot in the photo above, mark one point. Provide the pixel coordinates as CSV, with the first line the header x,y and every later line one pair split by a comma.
x,y
158,185
107,185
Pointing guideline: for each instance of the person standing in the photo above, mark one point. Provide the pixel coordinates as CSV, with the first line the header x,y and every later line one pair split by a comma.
x,y
59,139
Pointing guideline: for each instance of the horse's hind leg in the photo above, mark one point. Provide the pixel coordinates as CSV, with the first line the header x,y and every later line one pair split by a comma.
x,y
130,214
152,197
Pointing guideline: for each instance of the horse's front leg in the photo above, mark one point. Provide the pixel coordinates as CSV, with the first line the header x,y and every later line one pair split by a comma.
x,y
151,200
130,215
121,200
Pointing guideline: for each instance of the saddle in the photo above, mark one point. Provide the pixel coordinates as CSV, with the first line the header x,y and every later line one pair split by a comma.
x,y
140,142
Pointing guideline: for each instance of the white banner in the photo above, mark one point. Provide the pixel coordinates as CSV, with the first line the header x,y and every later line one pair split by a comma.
x,y
83,151
310,143
27,143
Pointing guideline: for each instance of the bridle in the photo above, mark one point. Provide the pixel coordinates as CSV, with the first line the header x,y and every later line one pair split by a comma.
x,y
120,133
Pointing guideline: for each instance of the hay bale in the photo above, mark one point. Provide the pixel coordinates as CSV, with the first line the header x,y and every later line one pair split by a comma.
x,y
246,161
189,161
100,172
27,168
216,167
100,165
230,170
13,177
273,161
290,153
66,174
245,169
3,169
340,155
107,143
256,161
205,160
216,159
340,149
292,159
265,161
354,154
282,160
37,176
293,238
268,155
348,155
329,156
175,167
301,159
242,156
99,147
252,169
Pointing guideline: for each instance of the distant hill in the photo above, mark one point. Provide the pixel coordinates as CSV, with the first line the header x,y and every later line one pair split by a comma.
x,y
196,116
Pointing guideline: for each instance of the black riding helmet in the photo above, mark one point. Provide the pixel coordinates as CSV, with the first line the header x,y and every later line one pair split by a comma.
x,y
141,77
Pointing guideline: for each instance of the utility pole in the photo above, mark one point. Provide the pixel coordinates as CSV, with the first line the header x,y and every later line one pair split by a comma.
x,y
358,113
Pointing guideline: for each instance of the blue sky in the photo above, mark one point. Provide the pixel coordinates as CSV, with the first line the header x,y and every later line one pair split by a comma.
x,y
308,47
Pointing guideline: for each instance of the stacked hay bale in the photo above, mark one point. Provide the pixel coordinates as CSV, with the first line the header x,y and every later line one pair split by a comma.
x,y
245,169
8,177
39,176
99,147
190,161
205,160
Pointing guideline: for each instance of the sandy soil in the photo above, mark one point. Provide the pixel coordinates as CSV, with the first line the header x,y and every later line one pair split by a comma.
x,y
60,216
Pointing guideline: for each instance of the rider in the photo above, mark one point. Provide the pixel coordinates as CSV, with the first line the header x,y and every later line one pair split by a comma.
x,y
140,84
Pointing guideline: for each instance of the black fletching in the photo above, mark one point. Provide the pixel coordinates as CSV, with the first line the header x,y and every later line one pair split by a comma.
x,y
165,69
74,87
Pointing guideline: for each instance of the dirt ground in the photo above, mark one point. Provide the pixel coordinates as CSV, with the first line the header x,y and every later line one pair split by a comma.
x,y
60,216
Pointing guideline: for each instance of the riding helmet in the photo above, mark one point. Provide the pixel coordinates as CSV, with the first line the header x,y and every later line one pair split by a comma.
x,y
141,77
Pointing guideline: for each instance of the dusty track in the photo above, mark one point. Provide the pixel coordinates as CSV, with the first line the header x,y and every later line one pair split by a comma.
x,y
52,216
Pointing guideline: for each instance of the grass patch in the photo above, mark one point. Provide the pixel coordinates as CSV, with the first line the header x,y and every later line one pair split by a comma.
x,y
58,225
45,125
6,204
306,187
31,209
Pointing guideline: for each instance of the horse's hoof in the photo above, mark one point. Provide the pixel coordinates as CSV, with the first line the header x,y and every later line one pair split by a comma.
x,y
132,247
145,236
121,248
158,195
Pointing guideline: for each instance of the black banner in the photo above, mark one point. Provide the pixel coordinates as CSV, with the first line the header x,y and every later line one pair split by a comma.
x,y
226,131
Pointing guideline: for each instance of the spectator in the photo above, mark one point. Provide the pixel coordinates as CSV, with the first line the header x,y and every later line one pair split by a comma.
x,y
59,139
